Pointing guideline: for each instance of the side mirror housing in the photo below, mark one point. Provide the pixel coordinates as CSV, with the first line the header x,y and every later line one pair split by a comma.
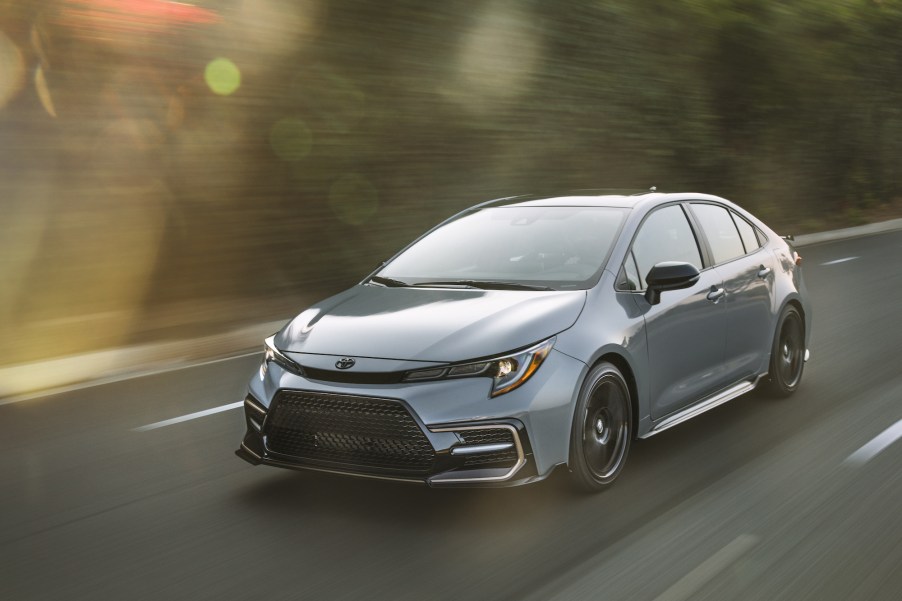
x,y
669,275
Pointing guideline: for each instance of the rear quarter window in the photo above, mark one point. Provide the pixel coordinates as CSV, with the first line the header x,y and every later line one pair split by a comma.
x,y
747,233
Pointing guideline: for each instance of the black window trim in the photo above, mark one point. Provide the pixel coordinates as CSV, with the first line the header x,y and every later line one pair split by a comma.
x,y
618,281
763,238
700,237
631,256
736,216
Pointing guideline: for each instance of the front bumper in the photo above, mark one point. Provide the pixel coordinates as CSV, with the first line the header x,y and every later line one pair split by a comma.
x,y
535,418
482,453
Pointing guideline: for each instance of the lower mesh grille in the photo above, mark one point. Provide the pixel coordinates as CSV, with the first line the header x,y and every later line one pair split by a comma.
x,y
489,436
357,432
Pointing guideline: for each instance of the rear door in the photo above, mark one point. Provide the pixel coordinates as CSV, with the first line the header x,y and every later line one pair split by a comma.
x,y
747,271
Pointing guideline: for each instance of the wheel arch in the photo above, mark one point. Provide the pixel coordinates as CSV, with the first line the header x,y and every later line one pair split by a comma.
x,y
775,381
622,363
796,302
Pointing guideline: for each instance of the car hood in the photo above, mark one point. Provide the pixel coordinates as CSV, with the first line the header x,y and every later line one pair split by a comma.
x,y
429,324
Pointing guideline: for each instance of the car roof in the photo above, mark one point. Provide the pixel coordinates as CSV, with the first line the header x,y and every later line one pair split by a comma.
x,y
592,198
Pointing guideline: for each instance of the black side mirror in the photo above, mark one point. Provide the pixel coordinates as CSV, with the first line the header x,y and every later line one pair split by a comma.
x,y
670,275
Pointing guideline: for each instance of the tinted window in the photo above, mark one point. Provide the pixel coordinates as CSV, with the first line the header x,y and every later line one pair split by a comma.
x,y
720,231
747,233
665,236
560,247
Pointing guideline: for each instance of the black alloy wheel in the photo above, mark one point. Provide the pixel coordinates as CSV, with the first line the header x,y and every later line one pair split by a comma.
x,y
787,359
602,429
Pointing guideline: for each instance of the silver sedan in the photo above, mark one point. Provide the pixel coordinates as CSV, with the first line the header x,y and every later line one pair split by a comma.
x,y
533,333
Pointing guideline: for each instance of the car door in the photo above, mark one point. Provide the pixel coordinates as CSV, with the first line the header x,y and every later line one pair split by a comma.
x,y
686,331
748,277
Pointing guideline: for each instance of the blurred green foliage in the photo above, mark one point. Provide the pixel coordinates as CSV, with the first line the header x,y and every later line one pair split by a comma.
x,y
161,156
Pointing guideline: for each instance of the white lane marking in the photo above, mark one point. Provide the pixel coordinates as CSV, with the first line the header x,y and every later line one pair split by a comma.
x,y
691,583
190,416
876,445
843,260
118,378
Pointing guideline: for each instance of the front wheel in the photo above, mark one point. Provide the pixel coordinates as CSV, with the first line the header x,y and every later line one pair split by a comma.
x,y
787,357
602,429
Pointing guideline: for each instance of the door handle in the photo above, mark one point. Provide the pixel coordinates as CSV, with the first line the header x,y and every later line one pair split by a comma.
x,y
763,271
716,294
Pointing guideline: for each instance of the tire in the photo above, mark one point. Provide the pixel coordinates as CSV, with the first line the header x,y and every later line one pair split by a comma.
x,y
602,429
787,356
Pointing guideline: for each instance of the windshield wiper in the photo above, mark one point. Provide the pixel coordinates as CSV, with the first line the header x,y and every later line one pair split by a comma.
x,y
389,282
485,285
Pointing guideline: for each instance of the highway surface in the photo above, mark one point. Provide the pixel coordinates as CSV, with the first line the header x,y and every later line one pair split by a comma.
x,y
759,499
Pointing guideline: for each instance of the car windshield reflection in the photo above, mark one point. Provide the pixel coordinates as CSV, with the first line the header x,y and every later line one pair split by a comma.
x,y
511,248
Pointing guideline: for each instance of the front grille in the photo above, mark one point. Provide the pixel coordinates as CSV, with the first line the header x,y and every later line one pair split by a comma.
x,y
489,436
351,377
357,432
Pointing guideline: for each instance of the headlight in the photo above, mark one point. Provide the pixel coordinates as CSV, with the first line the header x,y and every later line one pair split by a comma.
x,y
507,372
273,355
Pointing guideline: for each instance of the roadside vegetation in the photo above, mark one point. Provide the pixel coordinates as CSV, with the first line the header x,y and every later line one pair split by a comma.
x,y
172,169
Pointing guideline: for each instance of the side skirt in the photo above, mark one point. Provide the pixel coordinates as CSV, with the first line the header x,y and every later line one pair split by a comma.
x,y
706,405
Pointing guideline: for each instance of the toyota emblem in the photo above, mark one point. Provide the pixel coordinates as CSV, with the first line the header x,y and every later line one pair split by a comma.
x,y
345,363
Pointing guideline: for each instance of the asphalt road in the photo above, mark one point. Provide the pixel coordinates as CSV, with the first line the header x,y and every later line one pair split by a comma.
x,y
759,499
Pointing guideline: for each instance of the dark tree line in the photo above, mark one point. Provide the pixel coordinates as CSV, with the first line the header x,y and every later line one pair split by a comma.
x,y
356,125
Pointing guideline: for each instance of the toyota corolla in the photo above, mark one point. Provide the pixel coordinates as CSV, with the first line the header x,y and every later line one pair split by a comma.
x,y
529,334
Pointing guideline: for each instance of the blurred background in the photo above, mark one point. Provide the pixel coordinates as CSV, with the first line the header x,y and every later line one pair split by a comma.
x,y
170,170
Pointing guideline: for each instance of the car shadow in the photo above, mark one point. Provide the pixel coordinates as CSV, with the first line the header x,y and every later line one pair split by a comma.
x,y
661,472
334,495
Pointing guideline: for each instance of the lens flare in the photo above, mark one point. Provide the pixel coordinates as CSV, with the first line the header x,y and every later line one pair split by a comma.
x,y
222,76
12,70
40,84
497,58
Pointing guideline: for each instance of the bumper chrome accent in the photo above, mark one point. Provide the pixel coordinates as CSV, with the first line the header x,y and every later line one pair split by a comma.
x,y
255,412
252,403
521,457
247,450
482,448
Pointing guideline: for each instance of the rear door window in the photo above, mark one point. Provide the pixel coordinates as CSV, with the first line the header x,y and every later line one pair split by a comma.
x,y
721,232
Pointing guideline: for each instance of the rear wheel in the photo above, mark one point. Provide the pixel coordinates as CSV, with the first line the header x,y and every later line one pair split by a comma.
x,y
787,357
602,429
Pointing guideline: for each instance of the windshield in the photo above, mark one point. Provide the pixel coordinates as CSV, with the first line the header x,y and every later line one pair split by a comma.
x,y
555,247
